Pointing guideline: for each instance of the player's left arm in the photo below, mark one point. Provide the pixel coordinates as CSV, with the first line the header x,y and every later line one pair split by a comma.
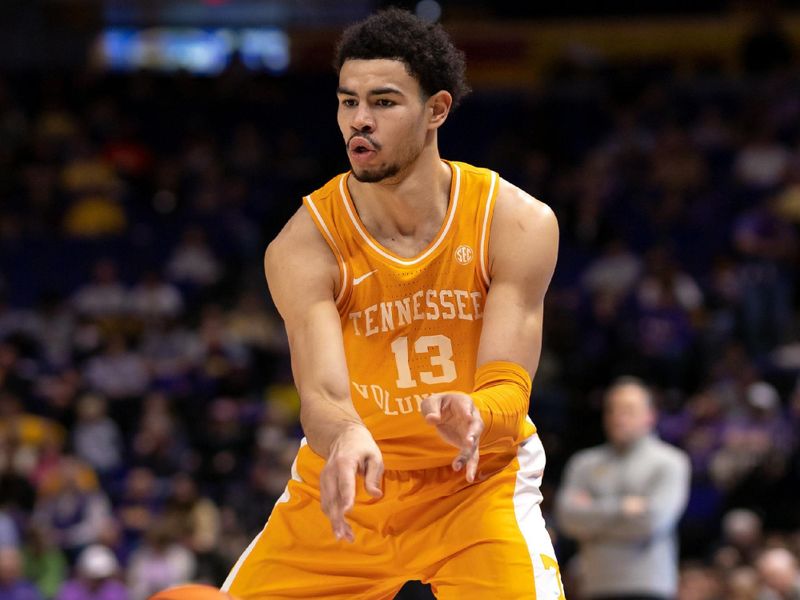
x,y
523,249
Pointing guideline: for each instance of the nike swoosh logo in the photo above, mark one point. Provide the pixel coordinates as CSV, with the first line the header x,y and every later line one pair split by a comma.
x,y
357,280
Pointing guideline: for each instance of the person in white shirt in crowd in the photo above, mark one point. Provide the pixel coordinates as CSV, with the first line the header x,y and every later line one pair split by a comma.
x,y
153,299
193,262
622,500
104,296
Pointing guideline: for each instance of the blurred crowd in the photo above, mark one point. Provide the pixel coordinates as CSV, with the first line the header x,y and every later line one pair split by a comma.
x,y
147,415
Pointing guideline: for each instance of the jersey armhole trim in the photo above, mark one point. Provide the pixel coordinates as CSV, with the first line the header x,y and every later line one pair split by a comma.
x,y
486,229
326,234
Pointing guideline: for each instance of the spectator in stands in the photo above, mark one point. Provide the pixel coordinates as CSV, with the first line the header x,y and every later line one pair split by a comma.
x,y
95,577
172,352
714,135
17,494
26,431
699,582
741,540
160,562
223,359
742,584
17,377
9,536
756,445
678,166
96,438
768,247
13,586
159,442
73,507
55,327
664,338
16,321
766,47
251,325
614,272
153,299
762,161
222,442
92,185
139,506
44,564
622,501
196,520
663,275
193,263
266,483
105,296
120,374
780,573
193,516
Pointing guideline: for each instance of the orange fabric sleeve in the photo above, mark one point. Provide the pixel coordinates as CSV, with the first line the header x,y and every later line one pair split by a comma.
x,y
502,395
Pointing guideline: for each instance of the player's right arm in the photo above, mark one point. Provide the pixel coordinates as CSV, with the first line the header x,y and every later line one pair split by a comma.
x,y
302,275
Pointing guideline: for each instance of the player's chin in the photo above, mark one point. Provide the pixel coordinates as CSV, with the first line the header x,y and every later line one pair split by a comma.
x,y
368,175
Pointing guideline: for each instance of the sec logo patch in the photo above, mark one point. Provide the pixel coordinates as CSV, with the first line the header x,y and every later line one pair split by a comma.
x,y
464,254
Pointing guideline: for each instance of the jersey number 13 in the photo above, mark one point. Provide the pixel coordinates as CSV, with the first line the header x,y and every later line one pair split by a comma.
x,y
440,349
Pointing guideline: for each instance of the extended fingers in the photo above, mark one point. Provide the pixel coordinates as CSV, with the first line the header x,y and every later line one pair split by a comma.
x,y
468,450
373,476
475,426
337,495
470,446
346,484
472,464
432,408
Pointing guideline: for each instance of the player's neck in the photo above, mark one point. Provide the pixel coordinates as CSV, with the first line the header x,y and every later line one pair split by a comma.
x,y
414,202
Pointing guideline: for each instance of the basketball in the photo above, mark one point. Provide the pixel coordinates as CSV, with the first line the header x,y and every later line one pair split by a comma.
x,y
192,591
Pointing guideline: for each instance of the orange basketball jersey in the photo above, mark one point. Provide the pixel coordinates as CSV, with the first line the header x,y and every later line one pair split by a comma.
x,y
411,326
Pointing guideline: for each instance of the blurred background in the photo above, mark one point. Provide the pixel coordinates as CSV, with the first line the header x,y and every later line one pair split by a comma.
x,y
150,149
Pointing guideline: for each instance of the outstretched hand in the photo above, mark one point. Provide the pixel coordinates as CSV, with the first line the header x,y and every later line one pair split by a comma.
x,y
459,423
353,452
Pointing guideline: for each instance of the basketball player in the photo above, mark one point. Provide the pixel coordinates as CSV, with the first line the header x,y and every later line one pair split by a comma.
x,y
412,291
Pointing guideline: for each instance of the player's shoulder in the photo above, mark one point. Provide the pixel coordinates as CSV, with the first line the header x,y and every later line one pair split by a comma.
x,y
298,265
524,234
300,231
298,242
330,193
299,228
472,171
516,206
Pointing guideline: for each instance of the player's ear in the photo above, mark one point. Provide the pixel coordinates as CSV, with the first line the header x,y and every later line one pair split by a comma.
x,y
439,106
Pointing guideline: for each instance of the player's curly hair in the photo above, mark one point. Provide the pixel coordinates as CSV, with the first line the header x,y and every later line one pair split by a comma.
x,y
425,48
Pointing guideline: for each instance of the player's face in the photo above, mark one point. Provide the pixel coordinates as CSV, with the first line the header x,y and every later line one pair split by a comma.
x,y
381,116
628,415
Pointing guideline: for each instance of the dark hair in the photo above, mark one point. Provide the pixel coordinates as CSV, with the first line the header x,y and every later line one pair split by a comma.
x,y
626,380
425,48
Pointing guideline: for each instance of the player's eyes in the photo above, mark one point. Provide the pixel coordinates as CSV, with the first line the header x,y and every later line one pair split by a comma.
x,y
348,102
385,102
